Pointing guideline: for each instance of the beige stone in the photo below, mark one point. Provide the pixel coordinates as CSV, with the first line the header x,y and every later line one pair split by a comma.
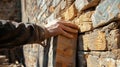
x,y
94,41
84,21
92,61
85,4
70,13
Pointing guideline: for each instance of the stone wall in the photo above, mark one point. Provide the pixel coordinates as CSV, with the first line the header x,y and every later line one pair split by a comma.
x,y
10,10
98,38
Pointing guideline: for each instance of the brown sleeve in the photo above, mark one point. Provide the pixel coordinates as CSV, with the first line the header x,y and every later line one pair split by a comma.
x,y
15,34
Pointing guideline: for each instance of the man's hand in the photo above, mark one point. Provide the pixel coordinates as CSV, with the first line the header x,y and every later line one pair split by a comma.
x,y
64,28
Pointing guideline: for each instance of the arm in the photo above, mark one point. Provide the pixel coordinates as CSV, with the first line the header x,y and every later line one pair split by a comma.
x,y
14,34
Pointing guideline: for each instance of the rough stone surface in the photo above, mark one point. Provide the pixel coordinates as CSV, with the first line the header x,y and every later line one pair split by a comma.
x,y
70,13
10,10
84,21
93,41
85,4
92,61
105,38
107,14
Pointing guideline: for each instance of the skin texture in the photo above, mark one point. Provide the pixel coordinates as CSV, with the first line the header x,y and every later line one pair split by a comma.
x,y
63,28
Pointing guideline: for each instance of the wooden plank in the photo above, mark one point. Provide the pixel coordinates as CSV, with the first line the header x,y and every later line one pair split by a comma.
x,y
66,52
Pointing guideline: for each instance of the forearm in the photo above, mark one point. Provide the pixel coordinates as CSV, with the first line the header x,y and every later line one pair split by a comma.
x,y
14,34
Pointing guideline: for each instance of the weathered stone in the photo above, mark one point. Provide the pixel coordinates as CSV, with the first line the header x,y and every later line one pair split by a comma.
x,y
63,4
117,63
31,54
85,26
112,35
94,41
113,39
55,2
107,62
92,61
116,52
107,14
85,4
70,13
100,59
84,21
11,8
86,17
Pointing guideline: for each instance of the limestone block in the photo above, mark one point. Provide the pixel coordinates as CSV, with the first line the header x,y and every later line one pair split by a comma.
x,y
116,52
55,2
105,38
100,59
117,63
31,54
85,26
94,41
112,35
70,13
92,61
10,10
85,4
106,12
113,39
84,21
107,62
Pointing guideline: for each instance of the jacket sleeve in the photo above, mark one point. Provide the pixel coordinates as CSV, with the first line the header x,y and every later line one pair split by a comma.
x,y
15,34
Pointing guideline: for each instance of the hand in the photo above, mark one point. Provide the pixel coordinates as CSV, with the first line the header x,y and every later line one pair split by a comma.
x,y
64,28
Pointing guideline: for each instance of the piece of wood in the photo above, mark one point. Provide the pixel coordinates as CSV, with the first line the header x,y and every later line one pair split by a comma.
x,y
66,52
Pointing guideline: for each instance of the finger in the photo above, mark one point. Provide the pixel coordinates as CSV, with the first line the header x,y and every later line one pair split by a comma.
x,y
68,35
69,24
68,29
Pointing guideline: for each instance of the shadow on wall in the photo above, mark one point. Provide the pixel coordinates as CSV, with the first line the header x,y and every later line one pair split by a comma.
x,y
80,57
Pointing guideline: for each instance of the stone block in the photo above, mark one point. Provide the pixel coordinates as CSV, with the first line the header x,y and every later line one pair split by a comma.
x,y
113,39
107,62
99,59
116,53
84,21
31,54
107,14
118,63
94,41
92,61
10,10
70,13
112,35
104,38
85,4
